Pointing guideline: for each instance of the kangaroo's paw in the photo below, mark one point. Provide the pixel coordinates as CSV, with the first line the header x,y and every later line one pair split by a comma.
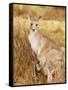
x,y
50,78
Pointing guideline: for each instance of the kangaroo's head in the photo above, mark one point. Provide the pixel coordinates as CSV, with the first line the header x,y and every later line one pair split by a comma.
x,y
34,22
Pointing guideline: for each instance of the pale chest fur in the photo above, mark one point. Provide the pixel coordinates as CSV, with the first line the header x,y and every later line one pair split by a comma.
x,y
35,41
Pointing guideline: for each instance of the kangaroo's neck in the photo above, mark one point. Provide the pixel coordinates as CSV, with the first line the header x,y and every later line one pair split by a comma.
x,y
34,41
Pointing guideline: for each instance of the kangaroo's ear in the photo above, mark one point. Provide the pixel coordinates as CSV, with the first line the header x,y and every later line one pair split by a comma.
x,y
29,18
39,17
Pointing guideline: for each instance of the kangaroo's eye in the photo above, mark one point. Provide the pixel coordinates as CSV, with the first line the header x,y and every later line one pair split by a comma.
x,y
31,24
36,24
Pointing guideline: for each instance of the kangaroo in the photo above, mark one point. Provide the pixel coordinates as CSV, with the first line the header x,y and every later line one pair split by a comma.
x,y
50,57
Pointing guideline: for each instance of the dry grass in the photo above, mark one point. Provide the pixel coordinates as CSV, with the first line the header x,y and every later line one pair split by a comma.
x,y
24,59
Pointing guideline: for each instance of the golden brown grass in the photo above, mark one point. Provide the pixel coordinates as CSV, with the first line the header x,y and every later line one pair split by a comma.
x,y
51,25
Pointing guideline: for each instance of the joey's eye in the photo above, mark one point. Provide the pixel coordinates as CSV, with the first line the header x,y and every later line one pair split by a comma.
x,y
31,24
36,24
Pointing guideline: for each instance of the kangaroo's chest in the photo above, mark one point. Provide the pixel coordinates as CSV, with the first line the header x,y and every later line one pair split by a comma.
x,y
35,42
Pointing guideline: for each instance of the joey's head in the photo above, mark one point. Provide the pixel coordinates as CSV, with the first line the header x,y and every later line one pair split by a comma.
x,y
34,23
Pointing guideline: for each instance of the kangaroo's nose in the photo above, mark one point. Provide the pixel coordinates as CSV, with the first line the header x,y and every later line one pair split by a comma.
x,y
33,29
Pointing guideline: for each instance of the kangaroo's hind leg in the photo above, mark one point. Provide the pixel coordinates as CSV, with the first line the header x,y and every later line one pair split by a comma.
x,y
50,77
